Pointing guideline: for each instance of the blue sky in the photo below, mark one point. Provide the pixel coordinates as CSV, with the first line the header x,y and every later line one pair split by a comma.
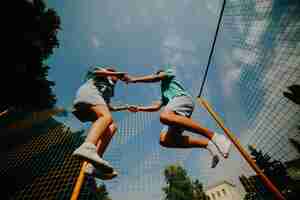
x,y
138,36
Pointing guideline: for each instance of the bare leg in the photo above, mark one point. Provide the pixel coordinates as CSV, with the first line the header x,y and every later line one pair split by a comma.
x,y
180,141
102,144
100,125
106,138
171,118
172,140
88,150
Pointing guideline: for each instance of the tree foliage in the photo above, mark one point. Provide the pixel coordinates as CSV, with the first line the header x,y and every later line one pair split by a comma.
x,y
295,143
102,193
180,186
275,170
251,196
199,193
32,35
293,94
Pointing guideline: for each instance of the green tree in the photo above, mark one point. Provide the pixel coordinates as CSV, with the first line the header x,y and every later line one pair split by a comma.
x,y
293,94
295,143
199,193
32,35
180,186
274,169
251,196
102,193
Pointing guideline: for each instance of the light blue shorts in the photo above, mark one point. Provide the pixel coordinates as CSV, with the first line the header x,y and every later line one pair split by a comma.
x,y
181,105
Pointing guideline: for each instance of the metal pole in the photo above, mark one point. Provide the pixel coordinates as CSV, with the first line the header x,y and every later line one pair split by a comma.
x,y
244,153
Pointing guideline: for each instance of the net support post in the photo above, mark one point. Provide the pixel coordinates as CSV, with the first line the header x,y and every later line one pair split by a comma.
x,y
242,151
79,182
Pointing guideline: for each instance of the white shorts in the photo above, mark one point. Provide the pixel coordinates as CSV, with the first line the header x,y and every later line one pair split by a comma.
x,y
89,94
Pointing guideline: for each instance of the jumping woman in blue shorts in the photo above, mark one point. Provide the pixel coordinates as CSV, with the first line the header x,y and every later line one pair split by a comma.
x,y
176,116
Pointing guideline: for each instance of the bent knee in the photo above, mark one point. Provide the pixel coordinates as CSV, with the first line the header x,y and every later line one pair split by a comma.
x,y
164,117
163,141
108,117
113,127
102,112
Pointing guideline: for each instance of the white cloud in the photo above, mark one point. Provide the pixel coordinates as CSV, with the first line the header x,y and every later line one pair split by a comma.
x,y
127,20
256,29
174,49
213,6
173,41
234,74
231,74
96,43
159,4
262,6
172,57
238,21
245,56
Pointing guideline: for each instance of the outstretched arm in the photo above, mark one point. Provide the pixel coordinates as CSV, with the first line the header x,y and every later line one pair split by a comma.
x,y
104,72
117,108
147,79
153,108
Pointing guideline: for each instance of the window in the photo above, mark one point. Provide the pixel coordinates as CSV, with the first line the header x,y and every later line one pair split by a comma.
x,y
224,192
213,196
219,193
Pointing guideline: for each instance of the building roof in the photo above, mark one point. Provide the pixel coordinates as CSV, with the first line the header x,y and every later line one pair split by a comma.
x,y
219,183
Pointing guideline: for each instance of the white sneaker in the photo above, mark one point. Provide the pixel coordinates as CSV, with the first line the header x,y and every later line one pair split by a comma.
x,y
215,160
92,171
222,143
212,149
87,151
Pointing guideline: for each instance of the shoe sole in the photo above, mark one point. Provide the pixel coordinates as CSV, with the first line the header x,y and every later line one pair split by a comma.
x,y
108,176
225,155
215,161
100,166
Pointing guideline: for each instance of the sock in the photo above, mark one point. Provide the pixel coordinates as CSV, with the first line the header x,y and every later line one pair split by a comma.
x,y
210,147
214,138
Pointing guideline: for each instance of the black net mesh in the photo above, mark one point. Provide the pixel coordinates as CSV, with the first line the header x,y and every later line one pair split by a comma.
x,y
256,62
42,166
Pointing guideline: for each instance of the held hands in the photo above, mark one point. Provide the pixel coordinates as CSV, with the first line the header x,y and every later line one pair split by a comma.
x,y
133,108
128,79
121,75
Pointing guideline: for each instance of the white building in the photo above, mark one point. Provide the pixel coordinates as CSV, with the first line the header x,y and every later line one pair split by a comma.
x,y
223,191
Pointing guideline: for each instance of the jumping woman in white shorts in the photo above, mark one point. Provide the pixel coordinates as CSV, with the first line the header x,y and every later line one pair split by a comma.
x,y
92,103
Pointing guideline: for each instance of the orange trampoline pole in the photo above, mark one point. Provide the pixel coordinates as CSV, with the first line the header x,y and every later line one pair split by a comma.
x,y
244,153
81,177
79,182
